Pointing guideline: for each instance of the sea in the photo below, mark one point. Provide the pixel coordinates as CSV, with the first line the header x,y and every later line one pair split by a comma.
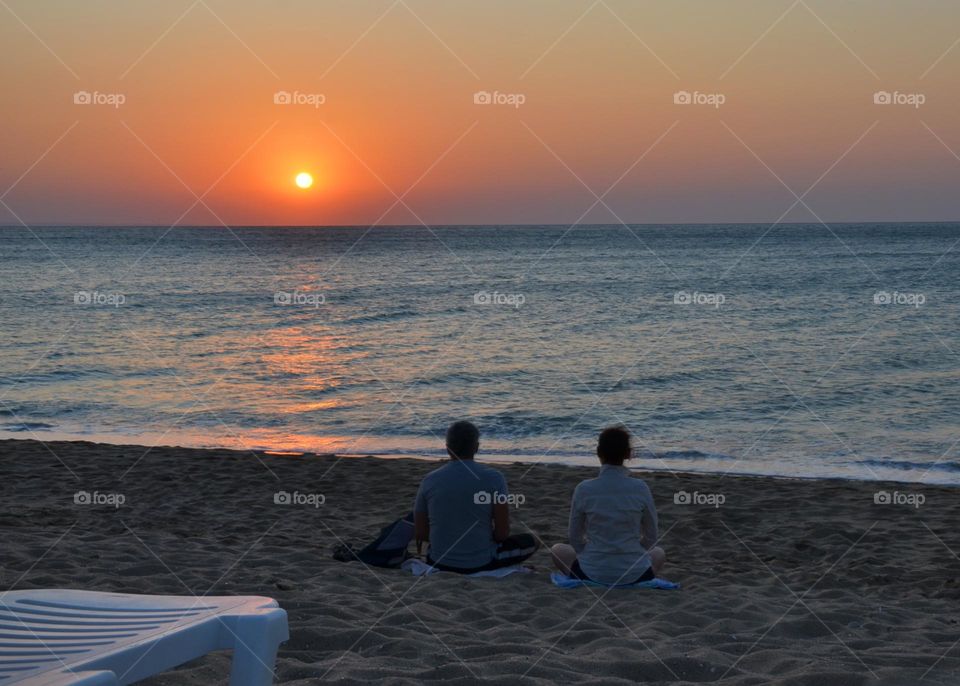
x,y
794,350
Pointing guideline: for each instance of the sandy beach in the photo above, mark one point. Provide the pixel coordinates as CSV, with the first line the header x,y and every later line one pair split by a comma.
x,y
785,581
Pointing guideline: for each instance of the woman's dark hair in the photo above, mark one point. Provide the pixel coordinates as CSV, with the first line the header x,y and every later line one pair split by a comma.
x,y
613,447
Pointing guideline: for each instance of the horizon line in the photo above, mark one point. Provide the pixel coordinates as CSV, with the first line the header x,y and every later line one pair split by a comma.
x,y
472,225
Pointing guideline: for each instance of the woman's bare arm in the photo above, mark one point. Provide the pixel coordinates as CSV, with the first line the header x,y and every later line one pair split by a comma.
x,y
501,522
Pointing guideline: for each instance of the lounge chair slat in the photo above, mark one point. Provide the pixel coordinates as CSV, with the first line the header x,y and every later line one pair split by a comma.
x,y
62,621
69,606
30,642
100,614
76,630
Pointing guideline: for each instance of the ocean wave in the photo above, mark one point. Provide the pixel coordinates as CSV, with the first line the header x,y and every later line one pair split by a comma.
x,y
49,377
909,466
682,455
380,318
26,426
529,424
665,379
470,377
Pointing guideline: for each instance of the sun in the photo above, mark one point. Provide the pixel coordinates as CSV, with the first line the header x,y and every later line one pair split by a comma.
x,y
304,180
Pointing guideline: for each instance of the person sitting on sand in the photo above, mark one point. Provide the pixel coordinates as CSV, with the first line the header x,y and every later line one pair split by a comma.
x,y
461,510
613,522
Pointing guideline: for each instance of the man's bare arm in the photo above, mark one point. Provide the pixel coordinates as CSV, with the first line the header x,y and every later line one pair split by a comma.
x,y
421,528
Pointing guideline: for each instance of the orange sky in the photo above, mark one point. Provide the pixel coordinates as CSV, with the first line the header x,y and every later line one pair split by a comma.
x,y
398,80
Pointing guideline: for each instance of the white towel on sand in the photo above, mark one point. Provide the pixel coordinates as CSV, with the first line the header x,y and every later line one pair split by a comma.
x,y
420,568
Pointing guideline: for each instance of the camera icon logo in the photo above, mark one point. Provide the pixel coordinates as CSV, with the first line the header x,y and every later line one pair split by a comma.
x,y
882,98
882,498
283,298
82,98
482,98
682,498
682,298
882,298
282,98
82,298
482,298
282,498
682,98
82,498
482,498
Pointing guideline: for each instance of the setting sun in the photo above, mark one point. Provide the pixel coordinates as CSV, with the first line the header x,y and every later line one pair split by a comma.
x,y
304,180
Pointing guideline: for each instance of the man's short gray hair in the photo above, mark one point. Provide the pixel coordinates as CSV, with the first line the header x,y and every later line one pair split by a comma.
x,y
462,439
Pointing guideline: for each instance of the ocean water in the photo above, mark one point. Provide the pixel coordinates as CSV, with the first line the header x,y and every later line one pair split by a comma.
x,y
797,350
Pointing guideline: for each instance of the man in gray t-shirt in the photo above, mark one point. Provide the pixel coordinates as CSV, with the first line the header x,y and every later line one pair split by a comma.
x,y
463,510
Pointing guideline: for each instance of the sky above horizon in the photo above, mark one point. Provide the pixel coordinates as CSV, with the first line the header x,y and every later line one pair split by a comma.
x,y
200,112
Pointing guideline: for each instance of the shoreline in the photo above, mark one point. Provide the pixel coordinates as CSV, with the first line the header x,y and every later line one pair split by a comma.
x,y
496,459
789,581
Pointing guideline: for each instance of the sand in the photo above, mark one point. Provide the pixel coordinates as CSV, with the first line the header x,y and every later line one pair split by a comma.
x,y
787,581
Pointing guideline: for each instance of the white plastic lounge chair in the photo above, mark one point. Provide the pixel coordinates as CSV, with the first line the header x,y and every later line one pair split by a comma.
x,y
59,637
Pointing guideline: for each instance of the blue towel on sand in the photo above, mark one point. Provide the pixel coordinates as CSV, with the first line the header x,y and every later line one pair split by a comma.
x,y
564,581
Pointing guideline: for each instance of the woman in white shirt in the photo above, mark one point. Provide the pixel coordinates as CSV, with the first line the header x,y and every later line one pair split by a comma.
x,y
613,522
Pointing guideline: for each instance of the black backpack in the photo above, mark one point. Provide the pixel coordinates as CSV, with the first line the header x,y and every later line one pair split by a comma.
x,y
389,549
